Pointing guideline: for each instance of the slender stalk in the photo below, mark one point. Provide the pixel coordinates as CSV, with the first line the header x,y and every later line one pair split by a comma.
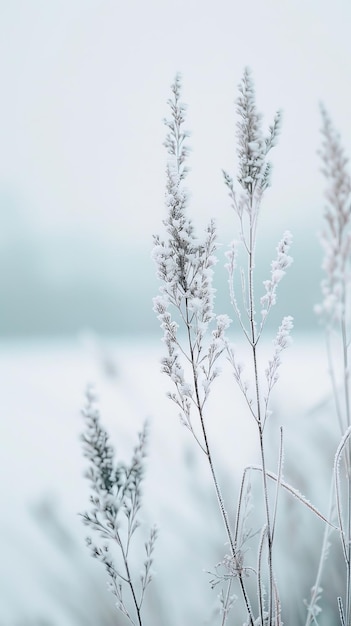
x,y
331,370
269,535
226,601
260,425
347,460
214,477
129,580
341,612
280,470
259,574
346,369
317,584
348,564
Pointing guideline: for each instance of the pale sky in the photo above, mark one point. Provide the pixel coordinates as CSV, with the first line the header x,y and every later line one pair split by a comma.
x,y
84,90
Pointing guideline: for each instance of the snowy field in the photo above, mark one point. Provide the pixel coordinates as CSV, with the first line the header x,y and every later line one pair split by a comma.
x,y
47,576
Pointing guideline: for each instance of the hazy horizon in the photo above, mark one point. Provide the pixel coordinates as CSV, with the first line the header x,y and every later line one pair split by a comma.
x,y
82,166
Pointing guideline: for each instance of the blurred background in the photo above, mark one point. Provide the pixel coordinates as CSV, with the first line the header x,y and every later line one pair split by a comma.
x,y
84,86
84,90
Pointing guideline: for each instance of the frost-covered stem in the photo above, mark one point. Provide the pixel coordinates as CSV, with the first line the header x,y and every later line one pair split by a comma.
x,y
280,470
345,537
338,498
341,612
226,602
129,579
269,535
238,512
348,472
348,573
346,368
260,424
316,587
259,575
213,473
347,457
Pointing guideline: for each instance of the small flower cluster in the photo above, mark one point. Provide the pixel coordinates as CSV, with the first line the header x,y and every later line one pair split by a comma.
x,y
254,169
278,270
176,137
281,342
116,502
253,176
336,236
252,146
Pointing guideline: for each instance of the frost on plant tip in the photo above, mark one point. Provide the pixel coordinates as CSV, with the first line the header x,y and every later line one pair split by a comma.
x,y
254,170
252,145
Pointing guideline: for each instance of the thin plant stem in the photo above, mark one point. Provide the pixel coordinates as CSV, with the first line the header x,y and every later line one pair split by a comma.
x,y
129,580
280,470
339,452
323,555
347,461
341,612
258,404
226,601
333,381
214,478
269,536
259,575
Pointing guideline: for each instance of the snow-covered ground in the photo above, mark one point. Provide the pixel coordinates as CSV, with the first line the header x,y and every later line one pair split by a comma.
x,y
46,575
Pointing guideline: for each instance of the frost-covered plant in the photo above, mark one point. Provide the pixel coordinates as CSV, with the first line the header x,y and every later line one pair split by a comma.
x,y
254,179
114,514
184,265
335,314
196,339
